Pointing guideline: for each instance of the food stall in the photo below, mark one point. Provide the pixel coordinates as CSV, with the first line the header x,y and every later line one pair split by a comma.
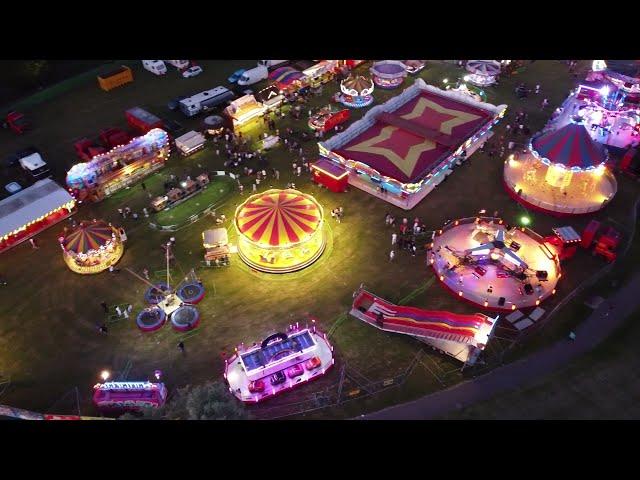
x,y
244,109
190,142
330,174
320,73
216,244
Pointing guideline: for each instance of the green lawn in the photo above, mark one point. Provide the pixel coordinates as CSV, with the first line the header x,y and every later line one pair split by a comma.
x,y
49,343
214,193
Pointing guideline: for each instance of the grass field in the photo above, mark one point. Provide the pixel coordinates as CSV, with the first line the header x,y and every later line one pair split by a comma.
x,y
214,193
49,343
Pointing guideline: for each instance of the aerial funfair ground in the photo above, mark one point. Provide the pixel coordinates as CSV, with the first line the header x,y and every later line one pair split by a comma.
x,y
402,149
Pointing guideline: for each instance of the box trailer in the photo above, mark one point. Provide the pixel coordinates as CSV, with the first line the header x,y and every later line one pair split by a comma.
x,y
35,165
142,121
115,77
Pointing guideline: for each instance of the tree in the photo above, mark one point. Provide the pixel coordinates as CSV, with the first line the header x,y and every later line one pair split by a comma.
x,y
35,71
209,401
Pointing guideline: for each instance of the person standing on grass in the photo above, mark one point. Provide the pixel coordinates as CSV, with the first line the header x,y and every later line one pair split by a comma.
x,y
105,307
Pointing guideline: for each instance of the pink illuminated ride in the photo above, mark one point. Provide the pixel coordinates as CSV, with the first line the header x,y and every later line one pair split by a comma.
x,y
281,362
463,337
129,396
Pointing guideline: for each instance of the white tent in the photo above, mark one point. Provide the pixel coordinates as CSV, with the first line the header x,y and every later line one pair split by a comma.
x,y
31,204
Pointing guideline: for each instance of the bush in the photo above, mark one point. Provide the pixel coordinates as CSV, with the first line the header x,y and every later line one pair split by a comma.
x,y
209,401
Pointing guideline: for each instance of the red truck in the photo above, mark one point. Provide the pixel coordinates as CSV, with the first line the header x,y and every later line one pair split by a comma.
x,y
142,121
17,122
327,118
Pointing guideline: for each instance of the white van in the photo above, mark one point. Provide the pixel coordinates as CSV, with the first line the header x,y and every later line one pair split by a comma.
x,y
35,165
254,75
271,63
155,66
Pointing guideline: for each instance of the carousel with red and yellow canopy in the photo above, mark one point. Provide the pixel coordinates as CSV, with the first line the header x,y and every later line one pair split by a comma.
x,y
91,247
280,231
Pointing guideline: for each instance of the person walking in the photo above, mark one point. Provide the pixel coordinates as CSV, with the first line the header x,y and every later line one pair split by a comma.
x,y
394,238
545,102
105,307
277,174
33,244
254,187
103,329
145,272
181,347
126,311
537,89
392,255
144,187
118,311
121,212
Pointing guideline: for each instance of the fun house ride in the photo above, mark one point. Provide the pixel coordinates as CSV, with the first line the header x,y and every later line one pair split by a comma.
x,y
282,361
122,166
401,150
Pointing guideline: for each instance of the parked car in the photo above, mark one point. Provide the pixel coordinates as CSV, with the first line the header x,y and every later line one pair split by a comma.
x,y
175,103
256,386
235,76
192,71
278,378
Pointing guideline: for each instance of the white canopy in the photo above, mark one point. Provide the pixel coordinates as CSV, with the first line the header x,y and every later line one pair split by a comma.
x,y
38,200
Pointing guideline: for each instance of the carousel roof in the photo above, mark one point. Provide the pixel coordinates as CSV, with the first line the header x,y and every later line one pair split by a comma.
x,y
570,146
357,83
88,236
278,217
487,68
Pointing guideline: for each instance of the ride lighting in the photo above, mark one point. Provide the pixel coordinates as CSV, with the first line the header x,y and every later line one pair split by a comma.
x,y
104,375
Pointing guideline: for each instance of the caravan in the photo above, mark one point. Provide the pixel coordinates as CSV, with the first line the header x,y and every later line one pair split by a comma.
x,y
205,101
179,64
155,66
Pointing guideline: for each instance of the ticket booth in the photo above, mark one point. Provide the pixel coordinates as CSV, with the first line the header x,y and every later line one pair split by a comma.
x,y
330,174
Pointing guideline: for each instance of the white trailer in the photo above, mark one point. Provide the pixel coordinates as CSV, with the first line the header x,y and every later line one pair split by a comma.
x,y
271,63
156,67
205,101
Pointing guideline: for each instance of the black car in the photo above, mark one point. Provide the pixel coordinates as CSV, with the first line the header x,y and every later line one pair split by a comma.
x,y
278,378
173,104
175,129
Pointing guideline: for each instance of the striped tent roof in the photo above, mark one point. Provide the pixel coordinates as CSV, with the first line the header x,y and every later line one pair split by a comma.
x,y
570,146
278,218
88,236
285,75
